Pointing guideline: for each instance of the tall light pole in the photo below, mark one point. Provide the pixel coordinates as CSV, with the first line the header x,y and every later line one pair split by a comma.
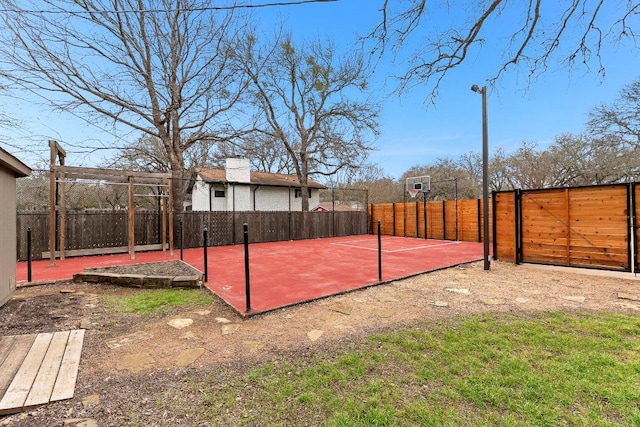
x,y
485,173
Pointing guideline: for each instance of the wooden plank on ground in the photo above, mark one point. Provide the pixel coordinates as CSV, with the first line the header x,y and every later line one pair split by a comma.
x,y
21,385
20,346
6,343
66,381
43,384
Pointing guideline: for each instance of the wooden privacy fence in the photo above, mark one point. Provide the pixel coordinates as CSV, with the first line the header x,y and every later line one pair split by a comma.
x,y
447,219
90,233
580,226
225,228
592,226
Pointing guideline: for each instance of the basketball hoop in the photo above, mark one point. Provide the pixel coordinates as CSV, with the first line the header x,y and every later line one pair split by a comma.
x,y
418,184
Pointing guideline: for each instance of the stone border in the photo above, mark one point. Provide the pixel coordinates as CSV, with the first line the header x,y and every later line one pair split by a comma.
x,y
141,280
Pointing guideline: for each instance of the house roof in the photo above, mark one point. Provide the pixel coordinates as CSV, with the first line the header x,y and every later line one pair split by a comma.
x,y
13,164
257,178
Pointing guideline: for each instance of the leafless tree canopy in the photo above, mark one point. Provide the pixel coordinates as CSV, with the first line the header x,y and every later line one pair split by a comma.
x,y
305,101
159,67
621,118
530,36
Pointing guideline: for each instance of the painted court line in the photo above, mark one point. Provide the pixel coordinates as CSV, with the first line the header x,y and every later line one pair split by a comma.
x,y
425,247
390,251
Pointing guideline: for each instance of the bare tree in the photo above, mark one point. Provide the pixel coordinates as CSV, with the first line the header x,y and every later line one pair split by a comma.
x,y
532,35
588,160
621,118
148,154
305,100
160,67
265,154
448,175
372,178
571,160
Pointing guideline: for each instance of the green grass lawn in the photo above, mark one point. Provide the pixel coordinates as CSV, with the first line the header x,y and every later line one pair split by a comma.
x,y
548,369
156,300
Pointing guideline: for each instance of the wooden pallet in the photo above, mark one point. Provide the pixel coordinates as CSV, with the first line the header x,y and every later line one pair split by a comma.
x,y
37,369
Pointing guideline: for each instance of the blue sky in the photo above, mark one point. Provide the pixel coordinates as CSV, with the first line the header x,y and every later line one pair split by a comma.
x,y
411,134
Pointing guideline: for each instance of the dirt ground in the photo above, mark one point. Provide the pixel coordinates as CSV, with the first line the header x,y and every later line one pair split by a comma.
x,y
132,365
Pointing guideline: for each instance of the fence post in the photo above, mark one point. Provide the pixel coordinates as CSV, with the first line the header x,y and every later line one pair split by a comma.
x,y
444,220
379,254
424,204
393,217
29,254
247,288
631,223
418,219
479,222
205,245
181,240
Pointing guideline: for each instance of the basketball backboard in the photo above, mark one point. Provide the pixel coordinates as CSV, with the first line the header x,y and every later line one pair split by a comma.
x,y
418,184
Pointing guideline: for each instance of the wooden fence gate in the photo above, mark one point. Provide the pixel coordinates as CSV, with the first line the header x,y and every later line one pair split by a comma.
x,y
579,226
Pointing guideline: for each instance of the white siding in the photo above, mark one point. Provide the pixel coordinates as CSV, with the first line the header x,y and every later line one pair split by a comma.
x,y
218,203
272,198
7,235
243,197
200,195
239,197
277,199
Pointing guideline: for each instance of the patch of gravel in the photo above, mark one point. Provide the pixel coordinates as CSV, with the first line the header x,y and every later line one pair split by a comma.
x,y
164,268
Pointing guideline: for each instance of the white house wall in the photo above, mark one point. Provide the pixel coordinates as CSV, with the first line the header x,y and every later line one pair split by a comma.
x,y
272,199
7,235
239,197
277,199
200,195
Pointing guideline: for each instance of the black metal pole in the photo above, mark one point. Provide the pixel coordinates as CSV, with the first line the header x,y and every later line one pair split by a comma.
x,y
485,178
29,254
333,212
424,204
457,225
379,253
247,286
181,239
485,173
205,245
160,214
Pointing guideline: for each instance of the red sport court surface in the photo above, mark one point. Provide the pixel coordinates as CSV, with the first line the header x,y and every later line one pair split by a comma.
x,y
292,272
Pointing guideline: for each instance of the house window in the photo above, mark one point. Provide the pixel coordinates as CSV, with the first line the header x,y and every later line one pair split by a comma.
x,y
298,192
218,193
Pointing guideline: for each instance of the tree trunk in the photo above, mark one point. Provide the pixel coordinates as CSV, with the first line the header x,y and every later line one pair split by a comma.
x,y
176,165
304,185
178,186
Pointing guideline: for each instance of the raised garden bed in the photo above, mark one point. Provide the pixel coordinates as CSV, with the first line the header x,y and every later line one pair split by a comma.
x,y
152,275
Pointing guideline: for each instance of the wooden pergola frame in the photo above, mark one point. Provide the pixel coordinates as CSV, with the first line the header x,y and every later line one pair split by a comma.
x,y
60,173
